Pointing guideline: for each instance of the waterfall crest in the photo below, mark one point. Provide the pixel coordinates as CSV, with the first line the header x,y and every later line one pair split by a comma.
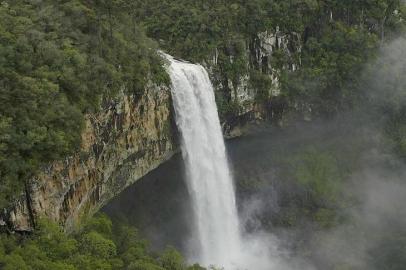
x,y
217,232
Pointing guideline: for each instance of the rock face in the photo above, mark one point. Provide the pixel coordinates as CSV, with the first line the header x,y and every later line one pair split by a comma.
x,y
128,139
262,52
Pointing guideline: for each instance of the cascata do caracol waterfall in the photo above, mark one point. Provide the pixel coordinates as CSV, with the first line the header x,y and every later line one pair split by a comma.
x,y
217,238
210,184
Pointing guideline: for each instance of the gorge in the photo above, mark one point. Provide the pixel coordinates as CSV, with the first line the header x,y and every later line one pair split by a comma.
x,y
271,136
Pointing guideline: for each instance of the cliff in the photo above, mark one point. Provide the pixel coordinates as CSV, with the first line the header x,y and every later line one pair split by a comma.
x,y
122,143
267,55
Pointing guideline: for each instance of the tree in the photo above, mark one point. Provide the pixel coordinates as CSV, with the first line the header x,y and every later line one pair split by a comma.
x,y
172,260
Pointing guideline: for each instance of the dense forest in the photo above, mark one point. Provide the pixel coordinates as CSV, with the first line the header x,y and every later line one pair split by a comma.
x,y
101,245
59,61
63,59
337,38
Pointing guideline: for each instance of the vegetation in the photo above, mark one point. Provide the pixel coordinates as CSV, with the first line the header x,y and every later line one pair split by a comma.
x,y
340,39
58,61
337,38
61,59
101,245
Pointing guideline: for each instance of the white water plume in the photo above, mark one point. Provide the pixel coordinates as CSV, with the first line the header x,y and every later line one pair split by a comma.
x,y
218,239
209,181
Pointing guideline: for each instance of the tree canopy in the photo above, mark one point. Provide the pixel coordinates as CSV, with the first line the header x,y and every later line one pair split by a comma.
x,y
101,245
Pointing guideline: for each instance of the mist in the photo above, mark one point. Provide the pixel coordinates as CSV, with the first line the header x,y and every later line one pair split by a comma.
x,y
371,231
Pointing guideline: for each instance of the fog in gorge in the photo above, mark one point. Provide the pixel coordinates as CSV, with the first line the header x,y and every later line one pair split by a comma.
x,y
161,202
353,218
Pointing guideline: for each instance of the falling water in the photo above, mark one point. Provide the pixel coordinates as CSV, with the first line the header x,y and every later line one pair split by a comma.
x,y
209,181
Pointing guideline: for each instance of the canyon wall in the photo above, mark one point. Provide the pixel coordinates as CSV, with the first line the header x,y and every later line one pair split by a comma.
x,y
126,140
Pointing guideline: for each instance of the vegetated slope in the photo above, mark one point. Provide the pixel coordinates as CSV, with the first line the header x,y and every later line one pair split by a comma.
x,y
337,38
101,245
58,61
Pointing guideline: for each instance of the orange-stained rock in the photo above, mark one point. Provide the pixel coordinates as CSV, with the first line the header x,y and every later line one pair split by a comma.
x,y
122,143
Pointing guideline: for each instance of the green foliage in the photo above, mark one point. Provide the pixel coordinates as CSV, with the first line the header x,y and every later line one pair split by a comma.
x,y
385,92
262,84
100,224
318,175
340,38
172,260
53,241
59,60
142,265
96,245
319,172
332,65
337,39
227,109
100,246
202,30
321,176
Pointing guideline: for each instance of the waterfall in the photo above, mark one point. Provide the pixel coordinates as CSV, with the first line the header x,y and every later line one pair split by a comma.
x,y
209,180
